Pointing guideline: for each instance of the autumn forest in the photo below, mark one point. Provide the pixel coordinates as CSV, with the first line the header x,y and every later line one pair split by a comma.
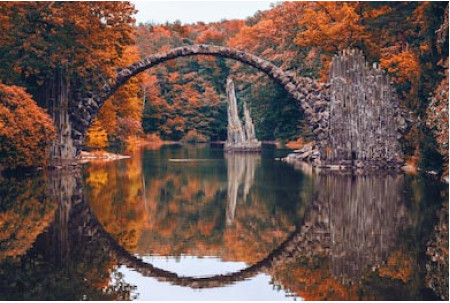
x,y
184,99
121,177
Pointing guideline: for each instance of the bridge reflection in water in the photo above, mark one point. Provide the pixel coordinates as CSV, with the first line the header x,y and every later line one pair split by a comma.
x,y
349,243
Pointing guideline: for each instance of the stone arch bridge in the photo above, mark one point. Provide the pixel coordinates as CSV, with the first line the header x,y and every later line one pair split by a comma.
x,y
324,105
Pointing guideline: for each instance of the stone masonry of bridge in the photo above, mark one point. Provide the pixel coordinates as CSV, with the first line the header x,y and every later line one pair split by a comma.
x,y
354,118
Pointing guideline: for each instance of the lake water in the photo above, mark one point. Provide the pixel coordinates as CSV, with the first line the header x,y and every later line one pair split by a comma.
x,y
192,223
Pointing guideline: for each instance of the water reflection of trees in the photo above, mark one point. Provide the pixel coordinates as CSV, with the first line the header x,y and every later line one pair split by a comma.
x,y
25,211
363,241
186,206
116,193
227,211
437,255
57,260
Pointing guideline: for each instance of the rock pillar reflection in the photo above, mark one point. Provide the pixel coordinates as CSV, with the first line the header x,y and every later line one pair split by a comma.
x,y
241,174
366,213
437,255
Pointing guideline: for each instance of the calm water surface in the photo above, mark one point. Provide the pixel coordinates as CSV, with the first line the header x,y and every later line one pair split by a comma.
x,y
190,223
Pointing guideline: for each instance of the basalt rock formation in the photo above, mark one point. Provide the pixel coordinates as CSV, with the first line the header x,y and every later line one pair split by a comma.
x,y
437,119
241,138
365,119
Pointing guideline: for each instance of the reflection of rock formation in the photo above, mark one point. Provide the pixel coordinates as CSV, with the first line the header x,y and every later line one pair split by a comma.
x,y
366,214
437,256
240,138
241,171
66,189
353,230
355,220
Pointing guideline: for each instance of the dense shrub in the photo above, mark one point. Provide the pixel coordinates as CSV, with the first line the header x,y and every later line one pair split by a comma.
x,y
25,130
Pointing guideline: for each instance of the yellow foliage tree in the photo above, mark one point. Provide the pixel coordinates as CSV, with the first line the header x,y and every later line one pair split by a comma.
x,y
97,137
108,118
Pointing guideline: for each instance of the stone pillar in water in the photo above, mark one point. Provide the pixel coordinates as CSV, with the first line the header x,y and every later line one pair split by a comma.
x,y
235,130
240,138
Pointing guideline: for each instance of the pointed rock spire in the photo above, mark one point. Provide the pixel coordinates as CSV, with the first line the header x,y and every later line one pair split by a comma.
x,y
240,138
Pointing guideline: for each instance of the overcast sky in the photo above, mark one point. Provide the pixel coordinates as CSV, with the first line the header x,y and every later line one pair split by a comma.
x,y
193,11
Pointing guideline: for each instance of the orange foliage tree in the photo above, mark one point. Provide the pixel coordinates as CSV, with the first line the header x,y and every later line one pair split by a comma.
x,y
121,114
331,26
60,50
77,36
25,129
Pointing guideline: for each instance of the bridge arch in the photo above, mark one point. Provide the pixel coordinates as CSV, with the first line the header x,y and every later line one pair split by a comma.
x,y
305,90
295,245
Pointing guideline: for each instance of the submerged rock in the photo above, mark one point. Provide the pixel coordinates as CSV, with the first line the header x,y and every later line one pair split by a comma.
x,y
99,156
